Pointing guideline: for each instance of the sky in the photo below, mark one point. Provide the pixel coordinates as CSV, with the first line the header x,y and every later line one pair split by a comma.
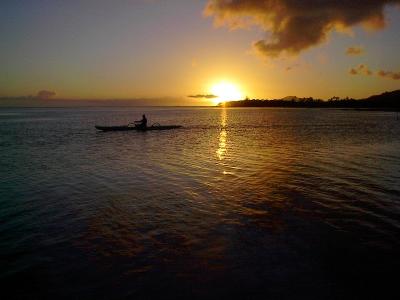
x,y
159,49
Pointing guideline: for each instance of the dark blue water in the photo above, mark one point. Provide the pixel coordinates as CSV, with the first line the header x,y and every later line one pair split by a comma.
x,y
248,203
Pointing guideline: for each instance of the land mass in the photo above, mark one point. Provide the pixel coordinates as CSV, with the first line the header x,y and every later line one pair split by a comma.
x,y
384,101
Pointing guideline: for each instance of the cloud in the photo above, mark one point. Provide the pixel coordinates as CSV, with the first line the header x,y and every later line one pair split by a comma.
x,y
44,95
389,74
354,50
203,96
364,70
293,26
361,70
289,68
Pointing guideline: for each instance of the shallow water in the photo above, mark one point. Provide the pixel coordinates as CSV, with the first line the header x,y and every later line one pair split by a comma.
x,y
250,203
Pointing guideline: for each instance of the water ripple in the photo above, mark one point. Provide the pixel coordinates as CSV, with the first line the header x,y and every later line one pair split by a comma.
x,y
234,193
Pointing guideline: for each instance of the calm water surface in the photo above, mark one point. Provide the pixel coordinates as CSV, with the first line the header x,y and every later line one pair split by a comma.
x,y
249,203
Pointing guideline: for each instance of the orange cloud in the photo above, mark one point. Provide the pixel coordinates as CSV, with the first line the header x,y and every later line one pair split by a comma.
x,y
201,96
354,50
296,25
360,70
289,68
364,70
389,74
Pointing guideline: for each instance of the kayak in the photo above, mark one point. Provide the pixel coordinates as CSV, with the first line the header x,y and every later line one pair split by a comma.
x,y
127,127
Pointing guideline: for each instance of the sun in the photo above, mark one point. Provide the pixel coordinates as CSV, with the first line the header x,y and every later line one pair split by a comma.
x,y
225,91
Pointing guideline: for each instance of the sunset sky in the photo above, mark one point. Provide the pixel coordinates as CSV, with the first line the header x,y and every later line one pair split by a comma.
x,y
99,49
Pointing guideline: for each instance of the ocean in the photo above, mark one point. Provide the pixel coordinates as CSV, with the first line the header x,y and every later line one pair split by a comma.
x,y
249,203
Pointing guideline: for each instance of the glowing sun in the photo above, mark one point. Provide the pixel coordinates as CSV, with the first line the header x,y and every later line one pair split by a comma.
x,y
225,91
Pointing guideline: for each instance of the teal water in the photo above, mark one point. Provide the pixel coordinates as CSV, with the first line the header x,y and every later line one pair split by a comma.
x,y
249,203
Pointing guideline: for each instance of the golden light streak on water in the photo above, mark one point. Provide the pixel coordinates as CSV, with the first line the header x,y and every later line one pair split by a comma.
x,y
221,151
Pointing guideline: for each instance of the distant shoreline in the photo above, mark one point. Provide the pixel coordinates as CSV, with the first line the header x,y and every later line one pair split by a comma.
x,y
386,101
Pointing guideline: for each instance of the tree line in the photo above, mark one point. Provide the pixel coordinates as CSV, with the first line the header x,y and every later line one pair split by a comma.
x,y
387,100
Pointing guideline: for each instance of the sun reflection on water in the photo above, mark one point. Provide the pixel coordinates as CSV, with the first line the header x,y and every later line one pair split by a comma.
x,y
221,151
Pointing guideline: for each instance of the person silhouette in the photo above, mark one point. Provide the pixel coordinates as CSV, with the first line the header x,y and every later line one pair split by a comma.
x,y
142,123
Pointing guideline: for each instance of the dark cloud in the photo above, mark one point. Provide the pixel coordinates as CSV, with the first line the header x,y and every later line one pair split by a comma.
x,y
203,96
360,70
43,94
295,25
354,50
389,74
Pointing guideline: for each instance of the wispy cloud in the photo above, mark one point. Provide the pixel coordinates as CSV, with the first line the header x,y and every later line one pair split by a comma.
x,y
355,50
364,70
296,25
289,68
389,74
360,70
207,96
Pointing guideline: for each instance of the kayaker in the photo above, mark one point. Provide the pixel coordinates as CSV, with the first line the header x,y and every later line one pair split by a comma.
x,y
142,123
